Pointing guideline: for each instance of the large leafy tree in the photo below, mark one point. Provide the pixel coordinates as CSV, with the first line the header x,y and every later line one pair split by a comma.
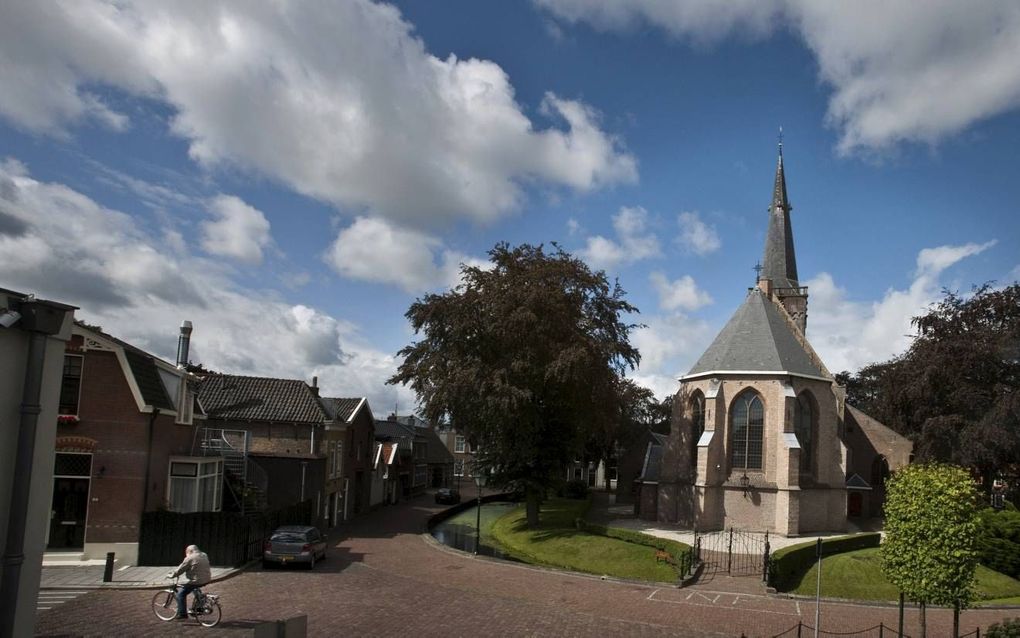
x,y
956,391
525,357
931,524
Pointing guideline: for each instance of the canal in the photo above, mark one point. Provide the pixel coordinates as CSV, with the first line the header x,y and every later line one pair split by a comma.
x,y
459,531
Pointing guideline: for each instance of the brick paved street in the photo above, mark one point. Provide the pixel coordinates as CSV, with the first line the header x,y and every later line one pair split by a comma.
x,y
385,579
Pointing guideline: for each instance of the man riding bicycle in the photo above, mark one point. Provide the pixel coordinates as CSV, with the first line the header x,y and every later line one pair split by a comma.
x,y
196,568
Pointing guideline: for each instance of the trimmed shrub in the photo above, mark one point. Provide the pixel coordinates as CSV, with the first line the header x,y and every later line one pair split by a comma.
x,y
998,543
575,488
1009,628
789,564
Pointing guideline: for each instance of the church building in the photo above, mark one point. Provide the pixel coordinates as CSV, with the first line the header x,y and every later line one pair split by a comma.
x,y
762,437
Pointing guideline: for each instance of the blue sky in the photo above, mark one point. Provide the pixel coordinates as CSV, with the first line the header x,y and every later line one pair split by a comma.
x,y
290,177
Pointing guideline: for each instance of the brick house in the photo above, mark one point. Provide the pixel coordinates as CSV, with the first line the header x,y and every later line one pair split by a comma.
x,y
350,443
462,452
123,446
411,461
762,437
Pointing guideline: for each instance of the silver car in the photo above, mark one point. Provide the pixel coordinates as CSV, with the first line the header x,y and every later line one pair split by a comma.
x,y
294,544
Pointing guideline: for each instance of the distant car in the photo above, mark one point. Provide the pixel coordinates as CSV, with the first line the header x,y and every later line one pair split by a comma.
x,y
447,495
294,544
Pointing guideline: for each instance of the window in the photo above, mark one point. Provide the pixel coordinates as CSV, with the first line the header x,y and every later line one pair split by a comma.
x,y
70,385
459,444
458,467
748,427
803,426
195,485
336,451
697,424
879,471
420,474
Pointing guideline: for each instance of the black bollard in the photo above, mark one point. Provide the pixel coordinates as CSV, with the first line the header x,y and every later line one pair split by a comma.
x,y
108,572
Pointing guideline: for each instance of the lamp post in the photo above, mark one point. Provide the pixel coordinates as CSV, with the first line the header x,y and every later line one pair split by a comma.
x,y
480,482
745,483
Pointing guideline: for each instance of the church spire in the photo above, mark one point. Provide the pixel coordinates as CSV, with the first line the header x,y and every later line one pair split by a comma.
x,y
780,263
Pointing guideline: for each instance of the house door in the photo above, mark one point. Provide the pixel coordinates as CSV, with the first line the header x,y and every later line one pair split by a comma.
x,y
69,508
854,504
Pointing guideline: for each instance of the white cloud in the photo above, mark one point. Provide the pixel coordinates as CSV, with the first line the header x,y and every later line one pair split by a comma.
x,y
682,294
849,334
634,241
373,249
71,249
669,346
898,73
696,236
340,101
238,230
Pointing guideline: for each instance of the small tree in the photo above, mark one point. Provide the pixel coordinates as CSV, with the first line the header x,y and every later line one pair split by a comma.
x,y
931,525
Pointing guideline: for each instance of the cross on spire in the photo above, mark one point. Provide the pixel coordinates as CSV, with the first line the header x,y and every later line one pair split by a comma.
x,y
757,271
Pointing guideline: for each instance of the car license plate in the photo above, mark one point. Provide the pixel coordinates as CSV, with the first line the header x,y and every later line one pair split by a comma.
x,y
284,559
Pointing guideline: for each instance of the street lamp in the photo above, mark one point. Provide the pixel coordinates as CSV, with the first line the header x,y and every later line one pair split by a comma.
x,y
745,483
480,480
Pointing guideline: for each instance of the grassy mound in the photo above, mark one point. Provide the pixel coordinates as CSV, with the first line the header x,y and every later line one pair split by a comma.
x,y
858,575
558,543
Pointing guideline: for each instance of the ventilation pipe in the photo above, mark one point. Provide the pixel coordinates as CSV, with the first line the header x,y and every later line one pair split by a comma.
x,y
184,344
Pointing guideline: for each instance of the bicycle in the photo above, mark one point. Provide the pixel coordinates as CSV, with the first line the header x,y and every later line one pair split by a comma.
x,y
205,608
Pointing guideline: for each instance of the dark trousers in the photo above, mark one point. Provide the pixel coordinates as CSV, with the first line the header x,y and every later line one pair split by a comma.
x,y
182,597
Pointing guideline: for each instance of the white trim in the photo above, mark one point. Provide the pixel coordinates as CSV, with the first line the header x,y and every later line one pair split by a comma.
x,y
706,438
760,373
354,412
712,391
791,441
788,390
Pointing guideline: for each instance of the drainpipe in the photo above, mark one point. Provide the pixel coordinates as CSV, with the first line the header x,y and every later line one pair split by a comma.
x,y
42,319
148,461
304,466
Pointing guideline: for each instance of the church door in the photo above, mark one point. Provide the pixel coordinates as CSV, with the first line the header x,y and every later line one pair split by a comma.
x,y
854,504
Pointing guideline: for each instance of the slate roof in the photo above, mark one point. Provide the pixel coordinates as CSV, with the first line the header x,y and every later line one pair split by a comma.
x,y
385,429
339,409
757,338
230,396
780,260
653,463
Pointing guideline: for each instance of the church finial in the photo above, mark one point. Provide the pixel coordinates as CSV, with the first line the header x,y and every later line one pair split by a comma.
x,y
780,142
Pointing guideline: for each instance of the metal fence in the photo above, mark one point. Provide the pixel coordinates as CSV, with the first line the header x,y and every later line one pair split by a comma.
x,y
803,630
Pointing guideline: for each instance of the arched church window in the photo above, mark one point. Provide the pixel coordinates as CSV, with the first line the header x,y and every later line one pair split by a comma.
x,y
697,423
804,427
879,471
748,427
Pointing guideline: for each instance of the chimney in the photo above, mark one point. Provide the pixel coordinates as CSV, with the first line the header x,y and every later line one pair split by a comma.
x,y
184,344
315,386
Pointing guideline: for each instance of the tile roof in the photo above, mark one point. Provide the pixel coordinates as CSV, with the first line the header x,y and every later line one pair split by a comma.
x,y
757,338
229,396
653,463
340,409
393,430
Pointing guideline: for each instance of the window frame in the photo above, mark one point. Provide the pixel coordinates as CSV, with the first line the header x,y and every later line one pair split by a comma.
x,y
749,396
459,444
61,405
195,482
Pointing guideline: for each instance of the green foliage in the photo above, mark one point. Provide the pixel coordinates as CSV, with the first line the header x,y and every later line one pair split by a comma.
x,y
679,552
525,357
931,527
575,488
858,575
998,542
1009,628
956,391
789,564
557,542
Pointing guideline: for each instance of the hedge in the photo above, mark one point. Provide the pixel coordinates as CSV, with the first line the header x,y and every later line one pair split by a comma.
x,y
789,564
998,544
679,552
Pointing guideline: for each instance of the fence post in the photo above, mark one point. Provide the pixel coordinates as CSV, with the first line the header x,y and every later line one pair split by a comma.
x,y
108,572
881,630
765,566
799,625
729,553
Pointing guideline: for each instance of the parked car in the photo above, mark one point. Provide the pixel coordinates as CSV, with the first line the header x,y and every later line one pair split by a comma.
x,y
294,544
447,495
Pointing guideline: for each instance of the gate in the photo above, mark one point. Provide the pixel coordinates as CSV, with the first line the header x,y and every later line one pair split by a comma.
x,y
734,552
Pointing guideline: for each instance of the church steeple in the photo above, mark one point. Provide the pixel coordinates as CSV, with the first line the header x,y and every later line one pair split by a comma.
x,y
780,262
778,277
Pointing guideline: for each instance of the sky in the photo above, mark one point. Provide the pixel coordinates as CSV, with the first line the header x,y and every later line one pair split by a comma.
x,y
291,176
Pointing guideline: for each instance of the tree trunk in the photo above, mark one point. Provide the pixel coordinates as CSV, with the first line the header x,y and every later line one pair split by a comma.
x,y
924,620
534,500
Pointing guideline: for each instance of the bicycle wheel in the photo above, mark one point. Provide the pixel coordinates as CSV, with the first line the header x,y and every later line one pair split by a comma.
x,y
212,618
164,605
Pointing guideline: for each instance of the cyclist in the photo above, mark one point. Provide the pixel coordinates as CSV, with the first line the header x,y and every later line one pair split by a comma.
x,y
196,568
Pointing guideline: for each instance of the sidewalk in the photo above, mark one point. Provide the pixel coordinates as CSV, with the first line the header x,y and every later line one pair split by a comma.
x,y
128,577
605,511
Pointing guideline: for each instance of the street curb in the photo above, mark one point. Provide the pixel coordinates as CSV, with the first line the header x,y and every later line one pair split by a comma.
x,y
151,586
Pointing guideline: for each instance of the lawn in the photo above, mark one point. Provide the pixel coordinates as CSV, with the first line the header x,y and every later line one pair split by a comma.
x,y
556,543
858,575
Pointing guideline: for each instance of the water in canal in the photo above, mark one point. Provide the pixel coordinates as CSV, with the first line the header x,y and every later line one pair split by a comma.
x,y
459,531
